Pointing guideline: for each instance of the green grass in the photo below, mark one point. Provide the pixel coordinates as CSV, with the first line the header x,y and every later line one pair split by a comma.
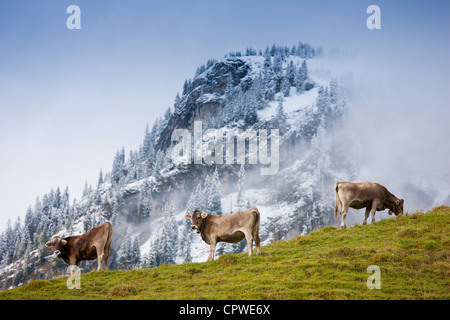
x,y
412,252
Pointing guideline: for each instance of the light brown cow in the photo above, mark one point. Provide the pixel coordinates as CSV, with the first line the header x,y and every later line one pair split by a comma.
x,y
230,228
370,195
89,246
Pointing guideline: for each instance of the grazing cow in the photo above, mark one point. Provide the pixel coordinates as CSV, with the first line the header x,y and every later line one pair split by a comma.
x,y
89,246
370,195
230,228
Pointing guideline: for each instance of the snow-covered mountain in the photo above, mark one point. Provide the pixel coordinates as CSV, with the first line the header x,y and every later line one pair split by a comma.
x,y
147,192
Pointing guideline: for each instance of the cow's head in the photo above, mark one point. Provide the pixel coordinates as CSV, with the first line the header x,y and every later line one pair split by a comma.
x,y
57,244
397,207
196,219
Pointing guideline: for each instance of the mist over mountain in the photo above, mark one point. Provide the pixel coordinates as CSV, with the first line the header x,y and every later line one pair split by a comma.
x,y
147,192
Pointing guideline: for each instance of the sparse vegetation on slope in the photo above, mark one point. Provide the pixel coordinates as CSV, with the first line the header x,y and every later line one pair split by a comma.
x,y
412,252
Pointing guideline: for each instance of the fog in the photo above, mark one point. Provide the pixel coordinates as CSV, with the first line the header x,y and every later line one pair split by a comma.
x,y
397,125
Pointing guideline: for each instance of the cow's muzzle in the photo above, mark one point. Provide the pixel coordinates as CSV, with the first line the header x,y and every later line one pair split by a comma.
x,y
195,228
57,253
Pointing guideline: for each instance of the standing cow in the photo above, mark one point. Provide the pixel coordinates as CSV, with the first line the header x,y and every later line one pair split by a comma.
x,y
89,246
230,228
370,195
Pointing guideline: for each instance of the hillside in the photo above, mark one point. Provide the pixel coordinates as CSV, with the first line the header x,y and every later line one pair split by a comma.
x,y
412,252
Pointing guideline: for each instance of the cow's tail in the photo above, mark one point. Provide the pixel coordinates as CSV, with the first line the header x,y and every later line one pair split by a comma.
x,y
255,234
337,201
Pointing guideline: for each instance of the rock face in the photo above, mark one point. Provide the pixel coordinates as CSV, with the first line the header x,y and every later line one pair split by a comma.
x,y
205,100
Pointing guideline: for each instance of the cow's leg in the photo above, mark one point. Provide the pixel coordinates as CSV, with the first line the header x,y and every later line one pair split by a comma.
x,y
73,265
367,214
106,255
249,238
100,262
100,255
344,215
212,249
257,241
374,210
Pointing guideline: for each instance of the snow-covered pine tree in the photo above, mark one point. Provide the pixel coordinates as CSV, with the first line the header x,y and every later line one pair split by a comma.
x,y
166,245
280,117
213,194
57,199
290,73
3,249
17,231
302,76
118,170
323,101
145,204
135,253
147,143
125,252
150,260
167,116
185,87
87,190
30,221
70,219
285,87
177,103
132,168
186,239
115,211
333,92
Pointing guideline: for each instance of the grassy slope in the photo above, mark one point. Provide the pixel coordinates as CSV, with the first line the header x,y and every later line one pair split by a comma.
x,y
412,252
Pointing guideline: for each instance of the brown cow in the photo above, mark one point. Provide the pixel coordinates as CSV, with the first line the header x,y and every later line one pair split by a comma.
x,y
230,228
89,246
370,195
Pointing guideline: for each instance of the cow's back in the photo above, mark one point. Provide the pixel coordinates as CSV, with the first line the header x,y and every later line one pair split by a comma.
x,y
360,190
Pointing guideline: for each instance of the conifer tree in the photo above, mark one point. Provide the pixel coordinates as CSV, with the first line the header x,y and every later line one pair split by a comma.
x,y
281,116
213,194
135,253
166,245
126,256
302,76
285,87
145,204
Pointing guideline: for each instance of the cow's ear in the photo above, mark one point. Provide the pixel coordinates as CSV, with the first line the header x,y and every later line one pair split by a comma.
x,y
49,244
63,242
204,214
188,216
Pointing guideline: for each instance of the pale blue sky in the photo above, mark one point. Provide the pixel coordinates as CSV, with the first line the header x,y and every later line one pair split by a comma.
x,y
70,98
